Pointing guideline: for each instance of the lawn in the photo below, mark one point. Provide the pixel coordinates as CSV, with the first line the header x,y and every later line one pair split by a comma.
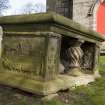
x,y
102,65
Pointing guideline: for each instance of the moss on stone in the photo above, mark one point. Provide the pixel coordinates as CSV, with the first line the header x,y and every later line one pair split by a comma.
x,y
51,18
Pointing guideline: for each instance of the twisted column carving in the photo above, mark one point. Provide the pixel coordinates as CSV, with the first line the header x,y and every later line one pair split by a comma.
x,y
74,54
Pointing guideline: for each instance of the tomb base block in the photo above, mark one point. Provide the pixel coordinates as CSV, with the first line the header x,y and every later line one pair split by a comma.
x,y
42,88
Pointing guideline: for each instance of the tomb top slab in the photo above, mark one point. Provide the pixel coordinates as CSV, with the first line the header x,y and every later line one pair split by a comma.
x,y
56,23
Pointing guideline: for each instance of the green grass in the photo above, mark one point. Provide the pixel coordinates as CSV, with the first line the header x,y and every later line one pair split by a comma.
x,y
54,102
102,64
93,93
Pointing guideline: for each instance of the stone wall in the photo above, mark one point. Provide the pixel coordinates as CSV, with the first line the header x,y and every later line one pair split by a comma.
x,y
63,7
76,10
80,12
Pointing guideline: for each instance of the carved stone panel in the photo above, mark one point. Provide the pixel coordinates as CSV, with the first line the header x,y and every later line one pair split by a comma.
x,y
88,57
23,54
96,61
52,60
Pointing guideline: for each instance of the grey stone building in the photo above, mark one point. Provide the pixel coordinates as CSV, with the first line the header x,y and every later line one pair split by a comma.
x,y
81,11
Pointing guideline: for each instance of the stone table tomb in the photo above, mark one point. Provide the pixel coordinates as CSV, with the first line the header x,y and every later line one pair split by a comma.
x,y
45,53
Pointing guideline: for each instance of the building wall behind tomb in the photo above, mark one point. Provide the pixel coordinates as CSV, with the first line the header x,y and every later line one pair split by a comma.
x,y
80,12
63,7
75,9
